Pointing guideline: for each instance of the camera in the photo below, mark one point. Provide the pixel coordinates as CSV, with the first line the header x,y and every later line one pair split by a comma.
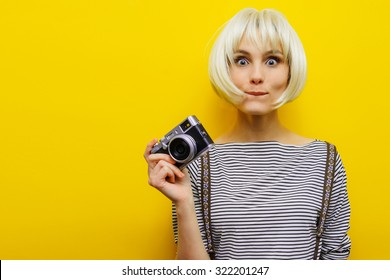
x,y
185,142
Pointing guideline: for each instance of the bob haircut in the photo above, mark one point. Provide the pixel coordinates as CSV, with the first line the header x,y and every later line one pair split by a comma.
x,y
262,28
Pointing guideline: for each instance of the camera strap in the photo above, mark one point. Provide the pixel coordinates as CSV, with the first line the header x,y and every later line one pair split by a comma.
x,y
205,200
326,195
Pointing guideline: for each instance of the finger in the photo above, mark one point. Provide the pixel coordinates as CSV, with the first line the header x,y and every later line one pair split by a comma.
x,y
160,156
149,147
157,156
175,174
169,175
176,171
160,176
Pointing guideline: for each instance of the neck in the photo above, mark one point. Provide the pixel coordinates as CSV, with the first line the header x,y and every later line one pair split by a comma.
x,y
251,128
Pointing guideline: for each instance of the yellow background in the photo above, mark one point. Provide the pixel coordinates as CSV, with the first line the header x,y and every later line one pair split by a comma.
x,y
84,85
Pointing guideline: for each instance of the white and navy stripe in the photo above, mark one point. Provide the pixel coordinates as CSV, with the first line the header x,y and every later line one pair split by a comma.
x,y
266,198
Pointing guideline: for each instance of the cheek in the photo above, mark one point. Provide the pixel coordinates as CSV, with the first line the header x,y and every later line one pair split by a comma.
x,y
236,77
283,83
281,80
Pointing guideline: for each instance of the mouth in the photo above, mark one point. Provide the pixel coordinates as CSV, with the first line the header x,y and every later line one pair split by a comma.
x,y
256,93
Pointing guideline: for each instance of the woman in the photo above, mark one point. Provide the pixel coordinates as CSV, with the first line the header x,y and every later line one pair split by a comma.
x,y
267,182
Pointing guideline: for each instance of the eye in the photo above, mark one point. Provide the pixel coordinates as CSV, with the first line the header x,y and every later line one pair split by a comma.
x,y
272,61
241,61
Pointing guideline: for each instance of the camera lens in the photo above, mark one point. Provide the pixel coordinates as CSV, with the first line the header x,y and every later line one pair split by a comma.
x,y
182,148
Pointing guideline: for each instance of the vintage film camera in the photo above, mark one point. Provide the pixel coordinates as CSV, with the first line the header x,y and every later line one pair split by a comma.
x,y
185,142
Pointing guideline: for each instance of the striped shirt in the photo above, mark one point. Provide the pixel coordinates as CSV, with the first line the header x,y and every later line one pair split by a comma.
x,y
266,198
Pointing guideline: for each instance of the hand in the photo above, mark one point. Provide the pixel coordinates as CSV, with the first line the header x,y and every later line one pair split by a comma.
x,y
166,177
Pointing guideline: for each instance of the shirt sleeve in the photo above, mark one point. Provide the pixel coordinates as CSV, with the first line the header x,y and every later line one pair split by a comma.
x,y
336,243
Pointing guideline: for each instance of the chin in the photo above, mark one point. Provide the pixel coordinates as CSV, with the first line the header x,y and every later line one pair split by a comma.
x,y
256,109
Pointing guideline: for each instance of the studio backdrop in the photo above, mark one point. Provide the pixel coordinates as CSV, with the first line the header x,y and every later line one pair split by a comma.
x,y
85,85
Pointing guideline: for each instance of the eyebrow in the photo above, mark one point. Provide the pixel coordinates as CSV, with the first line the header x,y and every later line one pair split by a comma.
x,y
266,53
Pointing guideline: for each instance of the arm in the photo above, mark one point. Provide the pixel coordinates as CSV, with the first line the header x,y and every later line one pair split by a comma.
x,y
190,243
175,184
335,241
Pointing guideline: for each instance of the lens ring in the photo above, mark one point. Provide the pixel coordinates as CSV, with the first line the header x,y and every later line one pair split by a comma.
x,y
182,148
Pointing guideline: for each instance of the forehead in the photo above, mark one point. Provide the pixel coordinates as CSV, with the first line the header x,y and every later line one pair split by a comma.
x,y
250,45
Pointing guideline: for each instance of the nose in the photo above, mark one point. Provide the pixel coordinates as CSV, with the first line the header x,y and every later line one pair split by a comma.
x,y
257,75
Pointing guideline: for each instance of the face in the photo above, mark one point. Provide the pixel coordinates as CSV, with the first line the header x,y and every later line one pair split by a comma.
x,y
262,74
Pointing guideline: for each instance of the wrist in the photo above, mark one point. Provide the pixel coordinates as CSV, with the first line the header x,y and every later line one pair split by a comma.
x,y
185,205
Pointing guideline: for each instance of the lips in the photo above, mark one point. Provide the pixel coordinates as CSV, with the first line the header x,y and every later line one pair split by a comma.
x,y
256,93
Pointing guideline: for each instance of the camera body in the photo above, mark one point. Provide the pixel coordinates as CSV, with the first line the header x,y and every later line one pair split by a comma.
x,y
185,142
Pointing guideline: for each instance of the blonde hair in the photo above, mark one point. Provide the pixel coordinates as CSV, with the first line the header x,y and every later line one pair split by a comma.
x,y
261,27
